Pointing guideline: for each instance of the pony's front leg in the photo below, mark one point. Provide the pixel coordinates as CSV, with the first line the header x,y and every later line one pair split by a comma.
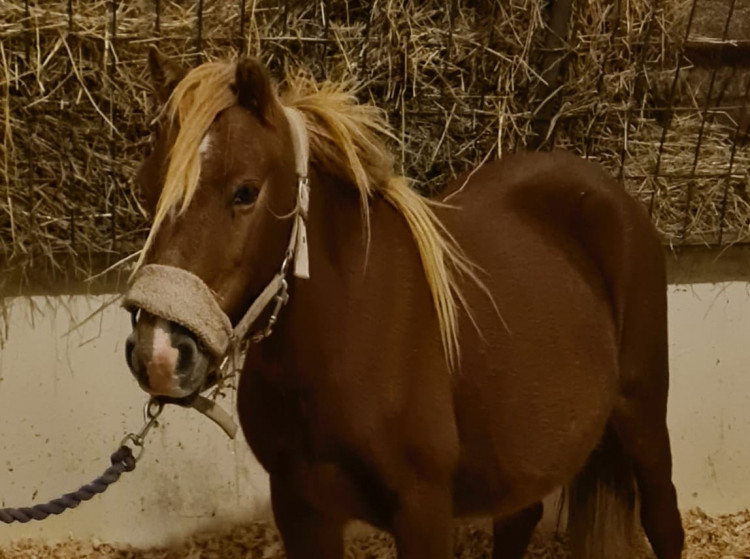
x,y
423,523
306,532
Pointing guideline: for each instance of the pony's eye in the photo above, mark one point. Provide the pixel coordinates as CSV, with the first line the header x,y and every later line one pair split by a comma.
x,y
245,195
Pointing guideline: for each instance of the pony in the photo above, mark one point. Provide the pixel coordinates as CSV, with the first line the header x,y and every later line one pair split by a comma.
x,y
463,355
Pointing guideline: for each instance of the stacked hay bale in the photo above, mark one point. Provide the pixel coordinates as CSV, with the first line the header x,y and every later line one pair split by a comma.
x,y
462,82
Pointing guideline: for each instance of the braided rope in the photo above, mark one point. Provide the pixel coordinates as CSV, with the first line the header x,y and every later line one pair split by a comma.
x,y
122,461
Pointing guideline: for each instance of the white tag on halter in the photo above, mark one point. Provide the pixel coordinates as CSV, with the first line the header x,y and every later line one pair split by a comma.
x,y
303,196
301,255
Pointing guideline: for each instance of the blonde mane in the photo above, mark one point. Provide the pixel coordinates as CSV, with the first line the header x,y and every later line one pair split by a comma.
x,y
346,140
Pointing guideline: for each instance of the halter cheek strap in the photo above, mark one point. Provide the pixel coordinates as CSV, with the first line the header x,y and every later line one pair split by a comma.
x,y
301,146
297,251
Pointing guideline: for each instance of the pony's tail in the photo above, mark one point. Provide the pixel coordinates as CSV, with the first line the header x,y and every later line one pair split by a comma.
x,y
602,503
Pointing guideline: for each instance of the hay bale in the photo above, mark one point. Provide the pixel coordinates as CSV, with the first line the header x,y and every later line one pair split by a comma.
x,y
708,537
460,84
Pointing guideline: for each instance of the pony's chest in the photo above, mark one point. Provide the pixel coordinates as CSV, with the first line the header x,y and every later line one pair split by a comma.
x,y
273,420
285,422
294,441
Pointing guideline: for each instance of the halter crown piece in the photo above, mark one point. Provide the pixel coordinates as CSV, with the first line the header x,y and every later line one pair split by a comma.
x,y
182,297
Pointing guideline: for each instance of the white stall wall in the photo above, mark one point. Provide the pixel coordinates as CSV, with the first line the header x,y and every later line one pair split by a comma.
x,y
66,399
709,414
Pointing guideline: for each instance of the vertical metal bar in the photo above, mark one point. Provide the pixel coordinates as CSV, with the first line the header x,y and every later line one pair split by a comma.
x,y
284,22
670,101
27,23
490,42
242,42
480,83
493,86
552,68
69,145
284,30
452,9
704,113
199,35
447,59
114,200
157,22
366,44
728,180
324,8
402,100
599,83
639,89
28,121
635,93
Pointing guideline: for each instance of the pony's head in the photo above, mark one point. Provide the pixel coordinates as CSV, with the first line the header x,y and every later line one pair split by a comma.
x,y
221,187
226,186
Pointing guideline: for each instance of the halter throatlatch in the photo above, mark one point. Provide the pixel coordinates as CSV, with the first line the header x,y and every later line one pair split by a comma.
x,y
182,297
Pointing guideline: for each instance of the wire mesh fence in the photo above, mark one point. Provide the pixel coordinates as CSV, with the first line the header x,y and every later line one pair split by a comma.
x,y
656,90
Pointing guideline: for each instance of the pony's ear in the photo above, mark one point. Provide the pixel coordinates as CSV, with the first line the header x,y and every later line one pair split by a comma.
x,y
165,74
254,89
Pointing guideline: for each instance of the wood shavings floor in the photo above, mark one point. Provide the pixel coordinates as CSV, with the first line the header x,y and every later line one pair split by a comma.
x,y
708,537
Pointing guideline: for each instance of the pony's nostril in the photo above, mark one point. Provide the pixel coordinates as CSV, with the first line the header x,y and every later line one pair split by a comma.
x,y
186,359
134,362
130,352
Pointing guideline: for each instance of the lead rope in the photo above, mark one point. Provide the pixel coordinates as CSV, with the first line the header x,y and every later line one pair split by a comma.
x,y
123,460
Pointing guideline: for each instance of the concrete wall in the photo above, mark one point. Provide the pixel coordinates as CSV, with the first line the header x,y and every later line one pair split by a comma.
x,y
66,399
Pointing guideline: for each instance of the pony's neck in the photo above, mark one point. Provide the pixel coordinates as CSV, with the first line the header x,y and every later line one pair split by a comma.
x,y
336,231
358,297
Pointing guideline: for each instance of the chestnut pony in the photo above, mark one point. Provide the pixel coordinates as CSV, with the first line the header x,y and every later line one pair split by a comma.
x,y
457,357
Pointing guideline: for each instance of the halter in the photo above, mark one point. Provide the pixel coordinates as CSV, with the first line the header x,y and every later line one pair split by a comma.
x,y
182,297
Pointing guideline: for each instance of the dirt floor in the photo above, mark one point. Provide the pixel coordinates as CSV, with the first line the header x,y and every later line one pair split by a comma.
x,y
725,537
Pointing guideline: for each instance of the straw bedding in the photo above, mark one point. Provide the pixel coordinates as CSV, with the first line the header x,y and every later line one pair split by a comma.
x,y
708,537
461,82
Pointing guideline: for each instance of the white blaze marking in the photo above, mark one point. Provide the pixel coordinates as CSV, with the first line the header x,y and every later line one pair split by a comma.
x,y
205,145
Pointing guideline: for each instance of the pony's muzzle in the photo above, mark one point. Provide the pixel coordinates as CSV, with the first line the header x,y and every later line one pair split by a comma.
x,y
165,358
179,331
